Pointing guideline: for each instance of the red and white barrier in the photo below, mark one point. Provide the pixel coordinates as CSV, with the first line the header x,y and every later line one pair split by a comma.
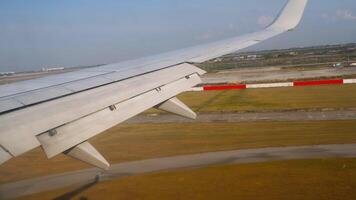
x,y
269,85
274,85
349,81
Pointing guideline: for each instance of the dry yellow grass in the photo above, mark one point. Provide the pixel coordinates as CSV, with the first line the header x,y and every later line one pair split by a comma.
x,y
136,142
298,179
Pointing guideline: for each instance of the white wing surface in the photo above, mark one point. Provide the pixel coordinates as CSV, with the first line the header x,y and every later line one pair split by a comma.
x,y
61,113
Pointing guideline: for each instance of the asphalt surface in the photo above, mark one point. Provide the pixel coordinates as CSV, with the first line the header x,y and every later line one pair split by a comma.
x,y
274,74
90,176
319,115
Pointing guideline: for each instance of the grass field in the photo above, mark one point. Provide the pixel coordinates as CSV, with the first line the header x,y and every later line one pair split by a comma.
x,y
328,96
307,179
137,142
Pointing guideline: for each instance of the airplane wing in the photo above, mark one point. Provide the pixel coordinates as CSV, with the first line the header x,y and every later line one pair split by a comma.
x,y
62,112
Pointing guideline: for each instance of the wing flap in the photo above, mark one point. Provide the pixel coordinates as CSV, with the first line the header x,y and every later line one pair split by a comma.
x,y
83,129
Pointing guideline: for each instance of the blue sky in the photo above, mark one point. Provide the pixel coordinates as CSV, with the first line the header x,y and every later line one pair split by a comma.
x,y
40,33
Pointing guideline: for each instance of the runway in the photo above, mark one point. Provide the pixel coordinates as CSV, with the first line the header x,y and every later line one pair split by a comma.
x,y
46,183
278,73
310,115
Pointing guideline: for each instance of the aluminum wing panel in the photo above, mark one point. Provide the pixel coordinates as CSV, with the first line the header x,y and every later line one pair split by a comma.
x,y
9,104
42,95
18,129
35,84
85,84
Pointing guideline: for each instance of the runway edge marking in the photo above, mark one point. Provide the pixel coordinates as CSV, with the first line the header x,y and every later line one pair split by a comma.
x,y
274,85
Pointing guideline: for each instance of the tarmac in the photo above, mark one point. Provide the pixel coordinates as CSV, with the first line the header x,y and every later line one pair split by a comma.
x,y
310,115
274,74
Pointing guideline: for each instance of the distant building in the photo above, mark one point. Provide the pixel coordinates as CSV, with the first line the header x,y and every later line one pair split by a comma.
x,y
333,51
252,57
239,58
293,53
6,73
52,69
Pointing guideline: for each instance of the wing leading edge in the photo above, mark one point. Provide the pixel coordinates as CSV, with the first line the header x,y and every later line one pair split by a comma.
x,y
83,104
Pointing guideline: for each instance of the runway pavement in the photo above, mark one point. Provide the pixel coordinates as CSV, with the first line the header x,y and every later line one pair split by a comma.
x,y
256,75
88,176
317,115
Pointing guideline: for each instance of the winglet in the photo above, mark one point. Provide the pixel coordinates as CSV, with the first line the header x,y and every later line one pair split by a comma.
x,y
290,15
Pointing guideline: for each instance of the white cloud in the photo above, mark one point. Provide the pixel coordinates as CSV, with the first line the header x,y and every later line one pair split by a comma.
x,y
340,14
345,14
264,21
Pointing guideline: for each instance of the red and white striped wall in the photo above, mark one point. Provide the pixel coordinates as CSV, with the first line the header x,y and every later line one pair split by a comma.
x,y
275,85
